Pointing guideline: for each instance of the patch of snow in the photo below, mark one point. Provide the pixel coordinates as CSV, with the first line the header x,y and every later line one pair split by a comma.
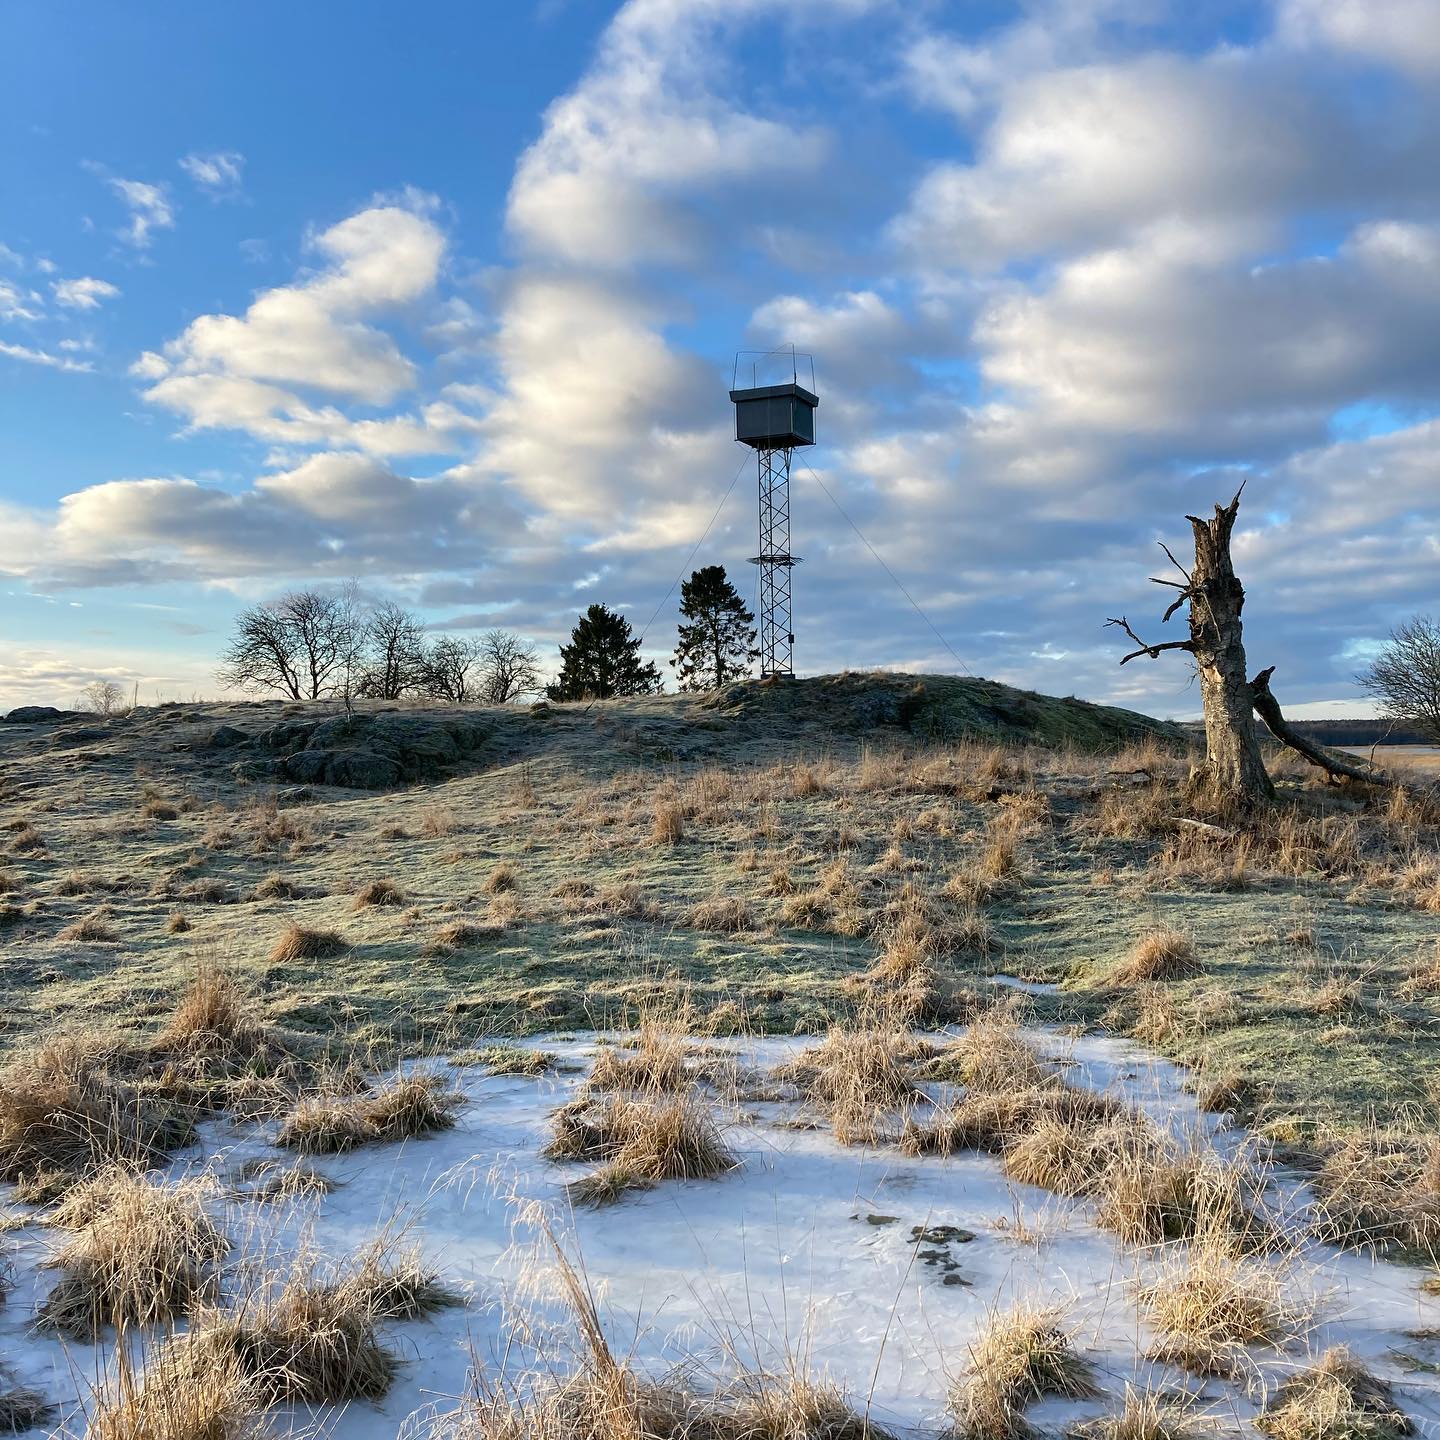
x,y
807,1251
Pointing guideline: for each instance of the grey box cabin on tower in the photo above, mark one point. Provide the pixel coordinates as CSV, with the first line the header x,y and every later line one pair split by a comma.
x,y
775,417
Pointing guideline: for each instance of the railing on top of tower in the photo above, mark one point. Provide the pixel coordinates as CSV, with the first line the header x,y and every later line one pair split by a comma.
x,y
781,353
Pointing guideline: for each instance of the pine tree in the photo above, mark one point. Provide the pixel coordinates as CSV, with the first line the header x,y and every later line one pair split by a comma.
x,y
718,643
603,660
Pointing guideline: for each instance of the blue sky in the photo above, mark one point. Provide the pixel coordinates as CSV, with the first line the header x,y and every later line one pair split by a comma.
x,y
443,298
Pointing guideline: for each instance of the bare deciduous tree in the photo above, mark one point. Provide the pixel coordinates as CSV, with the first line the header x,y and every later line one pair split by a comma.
x,y
510,667
393,661
449,664
1234,768
1405,676
104,697
304,645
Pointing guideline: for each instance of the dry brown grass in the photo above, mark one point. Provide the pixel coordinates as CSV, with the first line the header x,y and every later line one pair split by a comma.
x,y
175,1399
667,827
725,914
1335,1399
1145,1415
28,841
378,892
1159,1194
22,1409
146,1254
502,880
437,821
457,935
1019,1358
298,942
64,1116
1208,1304
334,1123
858,1076
178,923
638,1141
1372,1191
1159,954
92,929
268,1180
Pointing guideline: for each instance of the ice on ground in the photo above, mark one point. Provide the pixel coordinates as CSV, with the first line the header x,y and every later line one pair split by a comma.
x,y
807,1252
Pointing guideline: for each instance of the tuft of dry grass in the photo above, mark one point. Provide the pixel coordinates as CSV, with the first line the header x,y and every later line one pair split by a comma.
x,y
92,929
1159,954
668,824
22,1409
378,892
437,821
63,1117
177,1399
457,935
407,1108
178,923
502,880
859,1076
213,1016
312,1341
1371,1191
638,1142
1152,1195
1335,1399
146,1254
1209,1303
297,942
1019,1358
1144,1415
271,1180
727,914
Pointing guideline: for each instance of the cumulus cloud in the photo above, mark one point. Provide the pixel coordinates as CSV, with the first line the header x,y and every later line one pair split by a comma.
x,y
1402,33
219,172
613,178
334,514
83,293
312,333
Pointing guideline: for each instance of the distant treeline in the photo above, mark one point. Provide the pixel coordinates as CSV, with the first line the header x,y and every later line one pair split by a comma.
x,y
1373,730
1362,732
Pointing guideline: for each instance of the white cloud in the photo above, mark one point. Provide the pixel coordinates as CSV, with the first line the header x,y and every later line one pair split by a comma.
x,y
1402,33
612,177
314,333
1094,156
18,304
150,209
219,172
43,357
83,293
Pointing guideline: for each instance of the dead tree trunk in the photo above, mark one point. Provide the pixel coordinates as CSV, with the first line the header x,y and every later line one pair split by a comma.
x,y
1234,771
1337,766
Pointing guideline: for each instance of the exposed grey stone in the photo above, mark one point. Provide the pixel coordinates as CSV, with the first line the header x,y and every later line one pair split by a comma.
x,y
37,715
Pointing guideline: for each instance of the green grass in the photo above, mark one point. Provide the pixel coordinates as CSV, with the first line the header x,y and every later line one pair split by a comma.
x,y
536,959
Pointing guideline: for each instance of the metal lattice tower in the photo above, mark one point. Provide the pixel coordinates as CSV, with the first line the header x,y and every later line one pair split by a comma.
x,y
777,637
774,420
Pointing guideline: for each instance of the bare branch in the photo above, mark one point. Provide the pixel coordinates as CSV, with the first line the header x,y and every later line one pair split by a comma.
x,y
1153,651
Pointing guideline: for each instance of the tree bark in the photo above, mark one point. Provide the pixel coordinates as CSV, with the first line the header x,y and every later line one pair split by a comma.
x,y
1234,771
1234,768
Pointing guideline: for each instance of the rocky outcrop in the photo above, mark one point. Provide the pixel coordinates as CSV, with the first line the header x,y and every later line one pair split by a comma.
x,y
37,715
370,752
